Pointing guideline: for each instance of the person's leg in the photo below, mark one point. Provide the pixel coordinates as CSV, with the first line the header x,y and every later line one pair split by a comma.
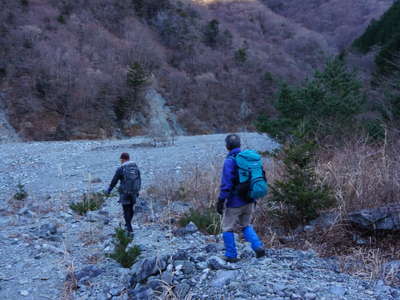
x,y
128,214
248,231
229,221
127,202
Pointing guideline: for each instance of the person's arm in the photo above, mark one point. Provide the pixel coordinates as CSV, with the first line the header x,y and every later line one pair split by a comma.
x,y
117,177
227,179
140,180
227,183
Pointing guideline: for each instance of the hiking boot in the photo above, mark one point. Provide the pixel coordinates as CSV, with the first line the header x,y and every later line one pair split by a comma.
x,y
128,228
260,252
231,259
129,231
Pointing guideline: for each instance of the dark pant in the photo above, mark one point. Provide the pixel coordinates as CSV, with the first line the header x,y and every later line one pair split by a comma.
x,y
128,215
127,201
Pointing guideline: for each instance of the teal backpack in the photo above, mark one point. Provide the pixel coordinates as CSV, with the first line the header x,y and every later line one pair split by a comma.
x,y
252,181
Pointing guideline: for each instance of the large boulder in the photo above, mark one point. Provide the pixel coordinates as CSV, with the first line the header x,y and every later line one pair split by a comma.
x,y
326,220
147,267
381,218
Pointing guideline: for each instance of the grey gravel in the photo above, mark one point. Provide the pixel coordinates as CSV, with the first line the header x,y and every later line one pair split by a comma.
x,y
44,246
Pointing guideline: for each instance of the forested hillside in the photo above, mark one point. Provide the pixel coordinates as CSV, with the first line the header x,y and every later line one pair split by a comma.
x,y
214,66
383,35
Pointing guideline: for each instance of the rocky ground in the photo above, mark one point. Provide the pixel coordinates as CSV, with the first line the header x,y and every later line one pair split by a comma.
x,y
49,252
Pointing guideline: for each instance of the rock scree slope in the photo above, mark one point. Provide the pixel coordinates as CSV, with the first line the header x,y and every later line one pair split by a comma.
x,y
46,250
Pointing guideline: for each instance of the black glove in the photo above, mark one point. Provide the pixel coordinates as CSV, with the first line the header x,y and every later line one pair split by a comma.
x,y
220,206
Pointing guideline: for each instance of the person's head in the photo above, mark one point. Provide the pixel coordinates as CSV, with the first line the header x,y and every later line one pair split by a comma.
x,y
124,157
232,141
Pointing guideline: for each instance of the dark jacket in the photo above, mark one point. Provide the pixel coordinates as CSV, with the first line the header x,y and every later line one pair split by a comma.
x,y
119,177
229,181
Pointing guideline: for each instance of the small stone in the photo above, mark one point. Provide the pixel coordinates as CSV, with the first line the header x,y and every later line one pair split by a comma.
x,y
53,249
309,228
180,255
95,180
204,275
223,277
295,297
190,228
310,296
92,216
155,284
142,293
147,267
278,287
337,290
24,293
181,290
26,212
167,277
188,267
201,265
247,253
256,289
48,229
23,281
88,272
211,248
216,263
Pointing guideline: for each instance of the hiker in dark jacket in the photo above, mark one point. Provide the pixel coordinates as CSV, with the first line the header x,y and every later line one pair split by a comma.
x,y
128,175
236,211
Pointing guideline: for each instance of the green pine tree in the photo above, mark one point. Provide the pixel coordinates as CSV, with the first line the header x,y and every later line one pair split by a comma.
x,y
137,76
299,194
325,105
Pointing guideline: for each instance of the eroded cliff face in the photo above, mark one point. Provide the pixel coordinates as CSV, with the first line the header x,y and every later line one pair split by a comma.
x,y
7,132
217,63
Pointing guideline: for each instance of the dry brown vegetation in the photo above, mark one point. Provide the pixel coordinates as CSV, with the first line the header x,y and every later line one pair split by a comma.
x,y
63,72
362,175
339,20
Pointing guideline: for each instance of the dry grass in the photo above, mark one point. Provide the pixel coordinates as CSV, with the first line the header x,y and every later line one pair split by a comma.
x,y
94,259
199,187
91,237
362,175
70,283
168,293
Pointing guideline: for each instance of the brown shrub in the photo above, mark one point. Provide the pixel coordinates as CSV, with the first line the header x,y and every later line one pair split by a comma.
x,y
362,175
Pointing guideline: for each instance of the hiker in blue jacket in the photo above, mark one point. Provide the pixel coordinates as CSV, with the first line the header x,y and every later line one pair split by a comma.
x,y
237,210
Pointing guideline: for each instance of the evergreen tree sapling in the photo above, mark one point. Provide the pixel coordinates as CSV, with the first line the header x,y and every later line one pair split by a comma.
x,y
299,193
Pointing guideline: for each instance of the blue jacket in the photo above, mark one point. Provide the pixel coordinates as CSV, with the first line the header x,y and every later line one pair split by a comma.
x,y
229,180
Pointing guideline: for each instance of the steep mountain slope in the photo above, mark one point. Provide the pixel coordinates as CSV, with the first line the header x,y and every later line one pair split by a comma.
x,y
384,34
340,21
66,64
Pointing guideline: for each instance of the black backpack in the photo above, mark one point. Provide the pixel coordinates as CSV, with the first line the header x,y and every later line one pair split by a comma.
x,y
132,182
